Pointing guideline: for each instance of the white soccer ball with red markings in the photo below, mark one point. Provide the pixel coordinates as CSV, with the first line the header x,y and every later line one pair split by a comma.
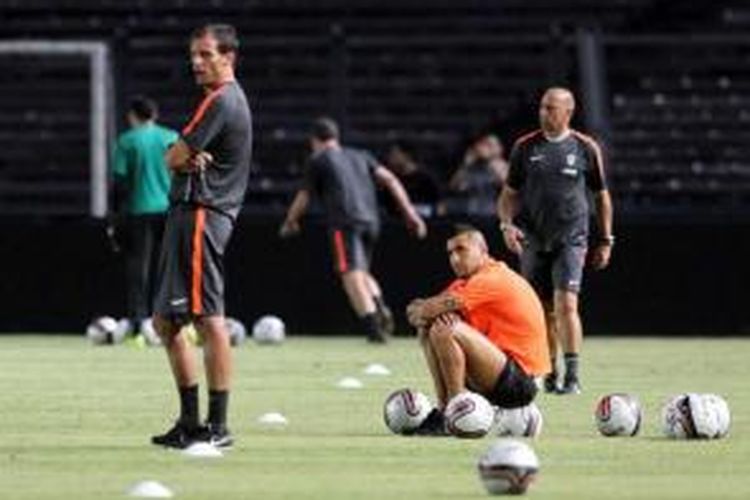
x,y
104,330
269,329
618,414
508,467
469,415
405,410
526,421
696,416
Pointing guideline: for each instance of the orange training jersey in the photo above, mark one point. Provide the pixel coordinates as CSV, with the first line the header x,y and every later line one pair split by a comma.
x,y
501,304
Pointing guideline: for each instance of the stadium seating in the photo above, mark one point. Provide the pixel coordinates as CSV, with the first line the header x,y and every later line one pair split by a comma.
x,y
432,73
679,115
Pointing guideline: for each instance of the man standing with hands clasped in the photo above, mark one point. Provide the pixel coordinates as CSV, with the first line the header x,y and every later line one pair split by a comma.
x,y
551,172
210,164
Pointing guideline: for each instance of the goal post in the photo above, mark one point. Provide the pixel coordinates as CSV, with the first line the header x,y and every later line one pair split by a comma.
x,y
101,109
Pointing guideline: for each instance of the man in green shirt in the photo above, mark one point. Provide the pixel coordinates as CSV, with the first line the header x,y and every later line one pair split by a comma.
x,y
142,183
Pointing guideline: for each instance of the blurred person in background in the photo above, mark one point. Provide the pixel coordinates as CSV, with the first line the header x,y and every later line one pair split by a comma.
x,y
142,182
344,180
544,218
417,180
478,179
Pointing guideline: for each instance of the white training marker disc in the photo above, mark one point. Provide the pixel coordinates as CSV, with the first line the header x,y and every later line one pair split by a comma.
x,y
202,450
349,383
150,489
376,369
273,418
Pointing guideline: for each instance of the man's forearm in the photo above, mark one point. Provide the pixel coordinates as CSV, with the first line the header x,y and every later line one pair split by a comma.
x,y
298,206
507,205
604,214
441,304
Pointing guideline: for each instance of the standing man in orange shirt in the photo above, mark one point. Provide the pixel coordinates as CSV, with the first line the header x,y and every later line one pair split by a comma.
x,y
485,331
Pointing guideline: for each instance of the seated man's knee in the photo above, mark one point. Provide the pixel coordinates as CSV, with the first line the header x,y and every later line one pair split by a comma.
x,y
440,332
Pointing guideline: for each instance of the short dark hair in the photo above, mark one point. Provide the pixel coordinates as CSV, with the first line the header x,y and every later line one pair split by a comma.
x,y
225,35
405,145
482,136
463,228
324,129
472,232
144,108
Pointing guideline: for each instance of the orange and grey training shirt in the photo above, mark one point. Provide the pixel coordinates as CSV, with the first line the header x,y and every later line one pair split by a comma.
x,y
222,126
498,302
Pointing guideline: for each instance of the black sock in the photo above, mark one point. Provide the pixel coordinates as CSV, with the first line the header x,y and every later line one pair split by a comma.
x,y
370,324
571,366
217,407
189,406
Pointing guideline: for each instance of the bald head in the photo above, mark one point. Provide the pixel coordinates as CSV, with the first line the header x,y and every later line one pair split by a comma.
x,y
561,95
556,110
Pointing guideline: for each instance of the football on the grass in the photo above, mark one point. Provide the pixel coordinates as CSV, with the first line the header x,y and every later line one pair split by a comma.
x,y
618,414
508,467
469,415
405,410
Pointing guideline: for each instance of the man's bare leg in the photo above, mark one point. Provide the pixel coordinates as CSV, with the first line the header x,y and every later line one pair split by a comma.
x,y
184,371
357,286
434,367
571,337
550,381
217,358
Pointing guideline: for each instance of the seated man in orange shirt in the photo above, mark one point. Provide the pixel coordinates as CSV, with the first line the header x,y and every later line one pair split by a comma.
x,y
485,332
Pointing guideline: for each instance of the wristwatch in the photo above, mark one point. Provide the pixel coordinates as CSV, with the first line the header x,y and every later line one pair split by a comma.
x,y
608,240
504,226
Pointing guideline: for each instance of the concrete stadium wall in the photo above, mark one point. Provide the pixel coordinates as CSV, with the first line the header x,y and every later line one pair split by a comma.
x,y
664,279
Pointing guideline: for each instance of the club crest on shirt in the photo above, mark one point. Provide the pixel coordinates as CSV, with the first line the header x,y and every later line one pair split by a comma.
x,y
570,159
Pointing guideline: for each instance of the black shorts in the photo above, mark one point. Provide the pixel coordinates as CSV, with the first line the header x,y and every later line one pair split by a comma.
x,y
190,281
558,269
514,388
352,247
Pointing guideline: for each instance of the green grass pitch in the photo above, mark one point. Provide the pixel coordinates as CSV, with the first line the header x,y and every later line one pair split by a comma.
x,y
75,421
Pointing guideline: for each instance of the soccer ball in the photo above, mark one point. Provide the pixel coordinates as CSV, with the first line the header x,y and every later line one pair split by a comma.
x,y
405,410
269,330
618,414
526,421
104,330
148,332
721,410
696,416
469,415
237,331
124,327
508,467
